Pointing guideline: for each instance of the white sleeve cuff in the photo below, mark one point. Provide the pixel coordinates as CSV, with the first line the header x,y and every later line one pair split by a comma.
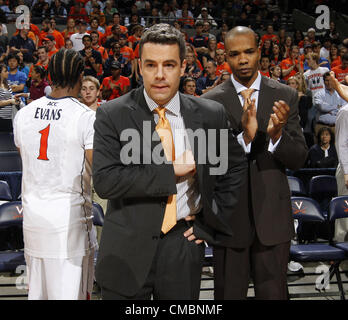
x,y
247,148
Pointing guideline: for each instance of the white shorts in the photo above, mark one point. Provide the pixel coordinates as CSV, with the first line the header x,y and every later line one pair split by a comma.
x,y
60,279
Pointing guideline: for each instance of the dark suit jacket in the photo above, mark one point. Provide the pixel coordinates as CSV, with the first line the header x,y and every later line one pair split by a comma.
x,y
269,207
138,193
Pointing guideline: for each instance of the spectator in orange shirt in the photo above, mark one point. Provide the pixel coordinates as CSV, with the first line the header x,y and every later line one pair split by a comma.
x,y
291,65
127,52
269,35
116,85
264,66
50,43
335,58
96,13
186,20
47,30
133,40
276,56
70,29
43,61
95,45
221,64
342,71
78,12
116,19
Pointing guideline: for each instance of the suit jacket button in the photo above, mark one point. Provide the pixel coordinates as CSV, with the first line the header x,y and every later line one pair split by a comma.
x,y
154,237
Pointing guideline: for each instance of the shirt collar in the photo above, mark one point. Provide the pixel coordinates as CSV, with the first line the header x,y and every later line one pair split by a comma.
x,y
173,105
255,85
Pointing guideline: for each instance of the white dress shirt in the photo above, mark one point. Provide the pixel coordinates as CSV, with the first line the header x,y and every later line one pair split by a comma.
x,y
188,200
255,95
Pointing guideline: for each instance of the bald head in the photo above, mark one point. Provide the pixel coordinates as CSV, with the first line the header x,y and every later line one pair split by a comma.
x,y
241,30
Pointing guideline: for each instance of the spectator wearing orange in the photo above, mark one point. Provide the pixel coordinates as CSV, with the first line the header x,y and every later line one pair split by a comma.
x,y
97,13
269,35
291,65
335,58
116,20
127,52
94,26
133,40
43,61
342,71
95,45
70,29
221,64
276,56
78,12
264,66
186,20
48,30
50,44
116,85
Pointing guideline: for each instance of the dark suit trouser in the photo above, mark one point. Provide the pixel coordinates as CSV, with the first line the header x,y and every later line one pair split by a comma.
x,y
266,265
175,272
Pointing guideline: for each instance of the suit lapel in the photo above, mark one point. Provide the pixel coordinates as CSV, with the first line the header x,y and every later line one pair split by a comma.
x,y
193,121
233,107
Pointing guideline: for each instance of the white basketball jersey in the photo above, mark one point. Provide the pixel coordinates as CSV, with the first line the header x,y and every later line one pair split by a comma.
x,y
52,135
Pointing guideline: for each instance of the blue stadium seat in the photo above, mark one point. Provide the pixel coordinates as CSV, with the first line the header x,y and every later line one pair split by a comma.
x,y
5,192
339,210
11,236
10,161
307,210
323,188
7,142
98,215
14,180
296,186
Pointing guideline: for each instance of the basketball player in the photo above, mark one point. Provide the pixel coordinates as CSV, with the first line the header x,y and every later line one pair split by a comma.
x,y
54,135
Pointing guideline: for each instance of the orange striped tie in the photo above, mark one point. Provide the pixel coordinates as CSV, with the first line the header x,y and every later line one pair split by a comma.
x,y
164,131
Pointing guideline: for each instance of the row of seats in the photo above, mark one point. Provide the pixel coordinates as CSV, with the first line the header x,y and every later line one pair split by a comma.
x,y
307,210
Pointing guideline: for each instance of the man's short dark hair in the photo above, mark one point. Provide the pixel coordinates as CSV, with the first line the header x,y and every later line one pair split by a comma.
x,y
43,47
86,36
163,33
326,74
199,23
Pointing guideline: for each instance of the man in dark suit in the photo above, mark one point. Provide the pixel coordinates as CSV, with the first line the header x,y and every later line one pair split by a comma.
x,y
140,255
264,115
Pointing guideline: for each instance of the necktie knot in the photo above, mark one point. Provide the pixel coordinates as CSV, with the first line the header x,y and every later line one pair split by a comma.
x,y
161,111
246,94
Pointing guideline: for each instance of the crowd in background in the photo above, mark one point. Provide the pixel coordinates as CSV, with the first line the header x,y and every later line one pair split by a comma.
x,y
107,33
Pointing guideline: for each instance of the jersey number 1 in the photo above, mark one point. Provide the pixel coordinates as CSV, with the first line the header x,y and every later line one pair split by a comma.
x,y
43,143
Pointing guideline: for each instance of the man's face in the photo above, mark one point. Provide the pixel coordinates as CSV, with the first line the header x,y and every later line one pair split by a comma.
x,y
116,49
87,42
161,69
270,30
190,87
327,83
42,54
89,92
95,38
12,63
211,69
115,72
243,57
220,56
116,19
49,44
94,23
199,30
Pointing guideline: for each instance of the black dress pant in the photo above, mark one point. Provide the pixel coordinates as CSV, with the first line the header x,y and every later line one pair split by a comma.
x,y
176,269
266,265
